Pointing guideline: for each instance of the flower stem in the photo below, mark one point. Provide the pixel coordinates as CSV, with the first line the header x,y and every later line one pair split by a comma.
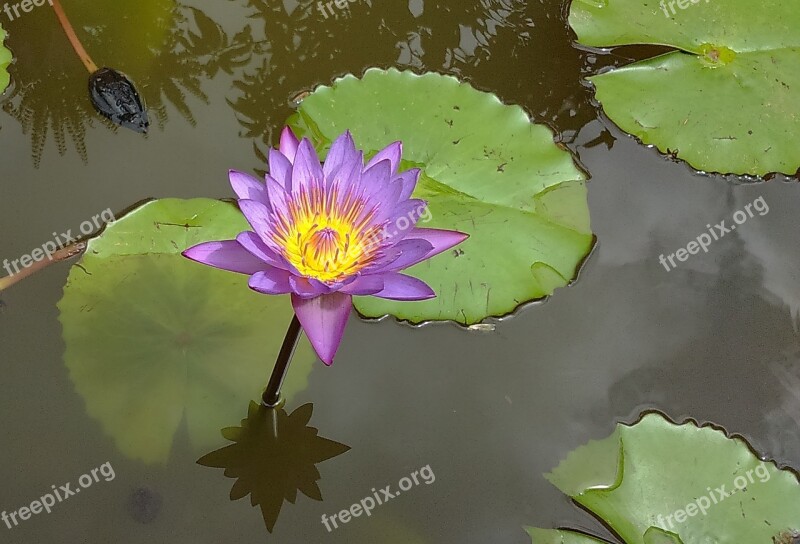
x,y
272,395
61,255
73,38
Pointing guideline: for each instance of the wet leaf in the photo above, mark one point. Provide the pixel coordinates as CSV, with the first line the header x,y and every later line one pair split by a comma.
x,y
660,483
153,339
726,100
554,536
488,172
5,60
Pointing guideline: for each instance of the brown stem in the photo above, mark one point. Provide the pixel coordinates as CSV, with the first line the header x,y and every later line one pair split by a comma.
x,y
61,255
73,38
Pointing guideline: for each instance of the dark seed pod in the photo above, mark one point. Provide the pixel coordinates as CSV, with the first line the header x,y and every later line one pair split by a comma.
x,y
114,96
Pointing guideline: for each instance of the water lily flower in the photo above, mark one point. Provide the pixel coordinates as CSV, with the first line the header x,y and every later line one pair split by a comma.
x,y
324,233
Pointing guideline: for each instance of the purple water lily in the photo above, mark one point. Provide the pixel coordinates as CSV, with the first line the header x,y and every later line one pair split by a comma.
x,y
327,232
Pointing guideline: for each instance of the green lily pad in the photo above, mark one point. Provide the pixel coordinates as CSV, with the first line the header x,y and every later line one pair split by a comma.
x,y
153,339
488,171
660,483
5,60
727,100
555,536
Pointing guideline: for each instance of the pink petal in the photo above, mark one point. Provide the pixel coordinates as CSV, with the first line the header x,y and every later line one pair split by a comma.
x,y
401,287
392,153
271,282
323,319
227,255
289,143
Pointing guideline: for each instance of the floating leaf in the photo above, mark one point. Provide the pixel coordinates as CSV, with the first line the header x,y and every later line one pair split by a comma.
x,y
5,60
487,171
727,100
554,536
152,338
660,483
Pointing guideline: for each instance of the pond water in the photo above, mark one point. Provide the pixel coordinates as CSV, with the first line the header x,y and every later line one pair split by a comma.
x,y
489,412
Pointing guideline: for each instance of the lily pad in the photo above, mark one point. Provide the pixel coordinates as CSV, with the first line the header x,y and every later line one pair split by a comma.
x,y
660,483
153,339
5,60
555,536
488,171
726,100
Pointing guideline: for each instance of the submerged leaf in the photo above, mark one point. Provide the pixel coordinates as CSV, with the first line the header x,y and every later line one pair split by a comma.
x,y
488,172
726,100
660,483
153,339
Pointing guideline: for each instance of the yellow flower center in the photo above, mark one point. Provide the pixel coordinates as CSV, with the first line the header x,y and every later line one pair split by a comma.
x,y
326,241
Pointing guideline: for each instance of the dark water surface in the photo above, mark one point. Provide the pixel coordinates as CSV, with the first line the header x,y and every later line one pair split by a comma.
x,y
490,412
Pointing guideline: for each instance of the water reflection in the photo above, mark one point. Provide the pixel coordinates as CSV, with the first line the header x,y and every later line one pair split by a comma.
x,y
274,455
168,48
450,36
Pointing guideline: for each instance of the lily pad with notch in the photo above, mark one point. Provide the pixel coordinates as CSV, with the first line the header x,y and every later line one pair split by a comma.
x,y
726,100
656,482
487,171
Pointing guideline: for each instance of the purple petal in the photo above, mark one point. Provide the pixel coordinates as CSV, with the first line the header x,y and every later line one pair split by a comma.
x,y
307,287
441,239
258,215
289,143
280,168
392,153
227,255
253,243
278,196
364,285
342,152
248,187
306,169
271,282
398,286
377,184
412,251
347,177
409,180
402,217
324,319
